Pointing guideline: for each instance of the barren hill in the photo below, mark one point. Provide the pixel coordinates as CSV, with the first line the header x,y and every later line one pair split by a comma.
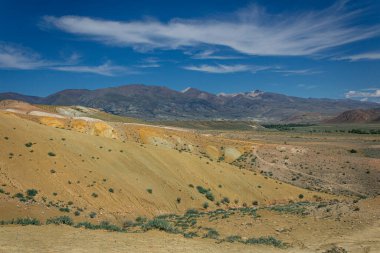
x,y
358,116
119,179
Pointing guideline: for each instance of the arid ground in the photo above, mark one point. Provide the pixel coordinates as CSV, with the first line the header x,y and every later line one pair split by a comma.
x,y
105,183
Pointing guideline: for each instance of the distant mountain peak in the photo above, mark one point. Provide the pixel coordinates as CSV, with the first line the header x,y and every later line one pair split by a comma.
x,y
254,93
187,89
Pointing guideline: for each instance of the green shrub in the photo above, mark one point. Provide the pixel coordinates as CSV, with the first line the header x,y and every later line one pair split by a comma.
x,y
178,200
28,145
159,224
233,238
31,192
205,205
225,200
65,220
300,196
190,235
64,209
109,227
202,190
212,234
94,195
110,190
26,221
19,195
77,213
191,212
92,215
141,220
270,240
86,225
51,154
210,196
149,191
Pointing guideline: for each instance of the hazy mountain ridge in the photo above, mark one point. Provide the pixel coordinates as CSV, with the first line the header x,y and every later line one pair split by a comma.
x,y
160,103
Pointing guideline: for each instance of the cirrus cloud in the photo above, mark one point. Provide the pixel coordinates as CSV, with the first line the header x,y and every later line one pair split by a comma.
x,y
16,57
223,69
251,31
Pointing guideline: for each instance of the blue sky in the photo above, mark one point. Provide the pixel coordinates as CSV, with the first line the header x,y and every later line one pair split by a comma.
x,y
303,48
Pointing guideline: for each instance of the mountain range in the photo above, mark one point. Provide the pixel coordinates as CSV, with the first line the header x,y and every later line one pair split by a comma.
x,y
161,103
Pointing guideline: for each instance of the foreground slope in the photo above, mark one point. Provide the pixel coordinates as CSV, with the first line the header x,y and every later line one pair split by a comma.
x,y
114,178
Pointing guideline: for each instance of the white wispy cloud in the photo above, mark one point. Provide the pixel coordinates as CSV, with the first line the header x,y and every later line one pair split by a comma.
x,y
223,69
361,57
251,31
364,94
150,62
307,86
106,69
16,57
290,72
211,54
20,58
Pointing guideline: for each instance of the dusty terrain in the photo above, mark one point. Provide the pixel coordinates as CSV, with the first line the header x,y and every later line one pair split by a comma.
x,y
307,191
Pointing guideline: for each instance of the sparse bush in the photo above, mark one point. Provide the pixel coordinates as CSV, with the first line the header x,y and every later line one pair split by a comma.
x,y
111,190
141,220
191,212
159,224
233,238
210,196
51,154
77,213
95,195
178,200
31,192
149,191
92,215
64,209
270,240
205,205
65,220
353,151
225,200
336,249
28,145
212,234
190,235
202,190
25,221
191,185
